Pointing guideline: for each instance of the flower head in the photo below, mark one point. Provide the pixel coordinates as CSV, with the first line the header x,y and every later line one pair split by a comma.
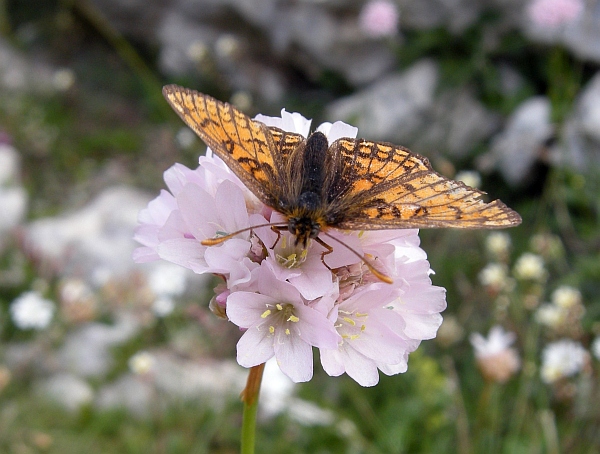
x,y
77,300
32,311
142,363
564,313
279,322
550,315
530,267
469,177
547,245
552,13
495,359
287,298
494,276
563,358
498,244
379,18
566,297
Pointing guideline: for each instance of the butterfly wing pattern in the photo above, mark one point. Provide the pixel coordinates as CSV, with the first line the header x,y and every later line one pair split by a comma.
x,y
365,185
378,185
249,148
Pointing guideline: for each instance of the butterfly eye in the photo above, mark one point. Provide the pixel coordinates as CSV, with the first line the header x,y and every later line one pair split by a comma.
x,y
292,225
315,230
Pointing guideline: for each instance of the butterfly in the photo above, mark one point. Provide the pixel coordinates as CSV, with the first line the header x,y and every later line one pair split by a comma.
x,y
350,184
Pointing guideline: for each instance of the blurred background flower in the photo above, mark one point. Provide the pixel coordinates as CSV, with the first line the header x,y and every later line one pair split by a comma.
x,y
379,18
32,311
496,360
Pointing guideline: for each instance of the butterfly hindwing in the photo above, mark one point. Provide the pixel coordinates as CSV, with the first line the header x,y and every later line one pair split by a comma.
x,y
378,185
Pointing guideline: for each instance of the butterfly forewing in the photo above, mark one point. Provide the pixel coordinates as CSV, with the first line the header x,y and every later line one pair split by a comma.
x,y
382,186
247,146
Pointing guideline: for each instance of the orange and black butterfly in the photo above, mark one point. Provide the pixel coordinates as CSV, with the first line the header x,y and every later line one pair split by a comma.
x,y
353,184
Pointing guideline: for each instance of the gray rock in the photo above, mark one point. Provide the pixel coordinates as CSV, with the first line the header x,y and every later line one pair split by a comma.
x,y
516,148
360,64
68,390
182,41
588,109
189,46
457,124
129,392
32,356
173,378
97,236
134,18
580,144
17,73
87,351
456,15
392,109
307,34
13,197
209,379
330,42
511,81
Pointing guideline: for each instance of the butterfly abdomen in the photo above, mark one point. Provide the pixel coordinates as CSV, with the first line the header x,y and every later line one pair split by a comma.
x,y
313,163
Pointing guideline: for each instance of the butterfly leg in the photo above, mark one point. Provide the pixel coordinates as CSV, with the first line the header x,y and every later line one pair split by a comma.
x,y
328,248
278,229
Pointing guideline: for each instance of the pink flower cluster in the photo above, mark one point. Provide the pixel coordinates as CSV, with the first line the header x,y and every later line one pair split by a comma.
x,y
552,13
379,18
283,297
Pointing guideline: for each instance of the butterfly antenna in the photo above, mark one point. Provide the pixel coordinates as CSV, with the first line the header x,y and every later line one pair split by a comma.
x,y
219,239
382,277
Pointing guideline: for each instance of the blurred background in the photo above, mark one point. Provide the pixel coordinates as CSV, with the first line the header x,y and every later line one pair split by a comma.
x,y
100,355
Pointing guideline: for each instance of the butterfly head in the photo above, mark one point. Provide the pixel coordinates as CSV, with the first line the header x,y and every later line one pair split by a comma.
x,y
305,220
304,228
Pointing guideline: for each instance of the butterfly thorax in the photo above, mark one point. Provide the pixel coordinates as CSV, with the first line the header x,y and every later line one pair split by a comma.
x,y
305,212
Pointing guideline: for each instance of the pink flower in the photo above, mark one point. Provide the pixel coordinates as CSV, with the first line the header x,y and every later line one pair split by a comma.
x,y
495,359
172,226
379,18
280,323
288,299
381,324
552,13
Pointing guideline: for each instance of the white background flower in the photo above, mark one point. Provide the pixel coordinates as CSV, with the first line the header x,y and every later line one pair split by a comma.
x,y
563,358
32,311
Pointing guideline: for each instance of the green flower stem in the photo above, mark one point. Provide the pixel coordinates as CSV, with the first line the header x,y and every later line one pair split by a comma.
x,y
250,398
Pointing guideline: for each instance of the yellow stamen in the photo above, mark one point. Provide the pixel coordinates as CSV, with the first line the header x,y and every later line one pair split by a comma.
x,y
279,307
293,318
349,320
271,329
266,313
